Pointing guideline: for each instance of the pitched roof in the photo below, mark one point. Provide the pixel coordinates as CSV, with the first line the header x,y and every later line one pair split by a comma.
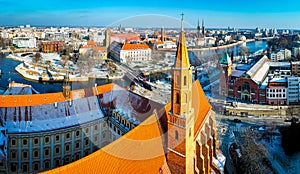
x,y
225,59
40,99
138,151
182,59
142,149
135,46
201,106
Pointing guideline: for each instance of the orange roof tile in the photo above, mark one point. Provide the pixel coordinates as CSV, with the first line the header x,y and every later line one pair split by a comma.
x,y
39,99
138,151
99,48
135,46
201,106
91,42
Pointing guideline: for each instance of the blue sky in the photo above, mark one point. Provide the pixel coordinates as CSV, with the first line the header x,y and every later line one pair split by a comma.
x,y
216,13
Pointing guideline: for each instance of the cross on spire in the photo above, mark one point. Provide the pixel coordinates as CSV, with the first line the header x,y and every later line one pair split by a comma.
x,y
181,21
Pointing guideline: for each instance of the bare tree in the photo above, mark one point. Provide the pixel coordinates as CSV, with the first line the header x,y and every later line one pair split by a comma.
x,y
244,51
37,57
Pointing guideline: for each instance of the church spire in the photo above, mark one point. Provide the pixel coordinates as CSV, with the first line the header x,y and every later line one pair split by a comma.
x,y
181,21
182,59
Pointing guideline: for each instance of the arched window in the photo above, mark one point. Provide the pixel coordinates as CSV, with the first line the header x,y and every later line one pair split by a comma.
x,y
246,86
176,135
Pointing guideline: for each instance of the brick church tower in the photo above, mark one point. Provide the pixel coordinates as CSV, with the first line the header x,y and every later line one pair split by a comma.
x,y
181,116
225,66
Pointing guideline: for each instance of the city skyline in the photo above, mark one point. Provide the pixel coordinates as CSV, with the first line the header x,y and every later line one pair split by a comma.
x,y
217,14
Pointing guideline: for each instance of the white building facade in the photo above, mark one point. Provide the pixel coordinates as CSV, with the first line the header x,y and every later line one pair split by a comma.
x,y
24,42
135,53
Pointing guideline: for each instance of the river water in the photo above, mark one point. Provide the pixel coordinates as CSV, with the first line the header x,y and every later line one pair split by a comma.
x,y
9,74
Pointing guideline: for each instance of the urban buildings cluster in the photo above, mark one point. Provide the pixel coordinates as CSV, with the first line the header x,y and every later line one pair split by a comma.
x,y
40,132
260,80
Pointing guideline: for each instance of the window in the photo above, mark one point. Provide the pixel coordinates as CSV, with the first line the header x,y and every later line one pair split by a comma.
x,y
13,167
13,154
67,147
86,152
25,167
36,141
57,137
87,130
24,142
96,127
25,154
177,80
13,142
57,150
46,152
184,80
77,157
177,98
68,135
47,165
176,135
36,153
87,142
47,139
57,162
95,138
77,133
77,145
36,166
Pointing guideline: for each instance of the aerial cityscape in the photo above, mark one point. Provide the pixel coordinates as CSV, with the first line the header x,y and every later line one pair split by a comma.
x,y
140,87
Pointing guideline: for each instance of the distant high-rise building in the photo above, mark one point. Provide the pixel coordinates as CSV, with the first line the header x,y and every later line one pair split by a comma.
x,y
203,28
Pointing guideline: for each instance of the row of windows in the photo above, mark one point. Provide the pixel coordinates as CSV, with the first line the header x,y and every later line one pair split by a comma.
x,y
277,95
46,163
57,138
46,151
275,90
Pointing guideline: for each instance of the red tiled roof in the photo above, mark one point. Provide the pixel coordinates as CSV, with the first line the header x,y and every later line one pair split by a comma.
x,y
201,106
141,149
135,46
127,36
99,48
39,99
138,151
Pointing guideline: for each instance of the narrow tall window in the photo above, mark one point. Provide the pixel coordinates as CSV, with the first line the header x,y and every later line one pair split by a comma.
x,y
176,135
184,80
177,98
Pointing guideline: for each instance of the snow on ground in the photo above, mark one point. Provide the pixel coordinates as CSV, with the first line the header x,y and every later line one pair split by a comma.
x,y
280,161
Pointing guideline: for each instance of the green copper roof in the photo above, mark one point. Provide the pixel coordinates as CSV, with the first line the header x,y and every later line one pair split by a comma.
x,y
225,59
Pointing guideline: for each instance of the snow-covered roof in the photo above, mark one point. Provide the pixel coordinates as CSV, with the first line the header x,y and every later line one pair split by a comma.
x,y
259,71
279,64
279,80
237,73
